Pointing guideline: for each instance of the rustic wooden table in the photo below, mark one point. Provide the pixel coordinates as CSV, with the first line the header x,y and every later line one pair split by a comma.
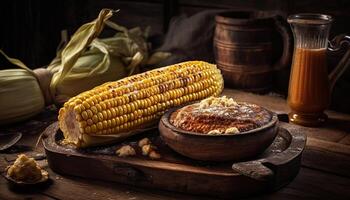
x,y
325,171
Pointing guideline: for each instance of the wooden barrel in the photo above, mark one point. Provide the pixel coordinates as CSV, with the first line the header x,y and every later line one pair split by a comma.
x,y
243,47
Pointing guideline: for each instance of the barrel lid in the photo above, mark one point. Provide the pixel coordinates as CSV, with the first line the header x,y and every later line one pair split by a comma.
x,y
244,18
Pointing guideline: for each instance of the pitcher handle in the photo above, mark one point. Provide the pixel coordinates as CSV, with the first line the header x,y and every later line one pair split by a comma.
x,y
283,28
338,43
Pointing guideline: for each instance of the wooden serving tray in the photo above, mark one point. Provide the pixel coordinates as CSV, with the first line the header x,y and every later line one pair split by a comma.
x,y
277,166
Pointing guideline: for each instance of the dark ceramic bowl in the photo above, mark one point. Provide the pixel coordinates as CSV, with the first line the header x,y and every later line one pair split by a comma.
x,y
205,147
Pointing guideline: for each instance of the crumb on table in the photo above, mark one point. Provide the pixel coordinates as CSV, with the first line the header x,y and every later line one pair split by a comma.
x,y
126,151
144,142
154,155
146,149
25,169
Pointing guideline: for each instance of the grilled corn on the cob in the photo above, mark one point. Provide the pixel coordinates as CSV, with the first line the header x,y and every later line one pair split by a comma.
x,y
117,109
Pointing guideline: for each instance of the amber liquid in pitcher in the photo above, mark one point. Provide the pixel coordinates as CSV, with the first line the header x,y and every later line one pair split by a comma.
x,y
309,86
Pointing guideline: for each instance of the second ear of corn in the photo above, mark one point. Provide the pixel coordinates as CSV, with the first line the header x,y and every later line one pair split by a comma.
x,y
116,110
85,62
20,95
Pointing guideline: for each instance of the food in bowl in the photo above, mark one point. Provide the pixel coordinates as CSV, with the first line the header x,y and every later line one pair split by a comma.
x,y
219,129
220,115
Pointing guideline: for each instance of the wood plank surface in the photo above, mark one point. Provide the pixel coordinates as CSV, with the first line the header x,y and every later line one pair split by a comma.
x,y
324,174
345,140
311,184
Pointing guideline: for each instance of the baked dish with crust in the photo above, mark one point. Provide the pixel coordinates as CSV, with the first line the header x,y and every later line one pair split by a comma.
x,y
219,129
220,115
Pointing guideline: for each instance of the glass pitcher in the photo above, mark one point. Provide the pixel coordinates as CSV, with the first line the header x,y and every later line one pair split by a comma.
x,y
310,85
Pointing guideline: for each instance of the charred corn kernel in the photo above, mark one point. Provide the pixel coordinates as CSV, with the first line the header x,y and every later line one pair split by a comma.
x,y
136,101
90,122
108,104
104,96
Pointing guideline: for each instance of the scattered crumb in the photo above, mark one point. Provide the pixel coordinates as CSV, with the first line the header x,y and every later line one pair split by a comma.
x,y
154,155
214,132
146,149
232,130
146,146
150,150
144,142
125,151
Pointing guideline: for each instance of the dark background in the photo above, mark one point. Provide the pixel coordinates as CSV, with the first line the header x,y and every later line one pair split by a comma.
x,y
30,29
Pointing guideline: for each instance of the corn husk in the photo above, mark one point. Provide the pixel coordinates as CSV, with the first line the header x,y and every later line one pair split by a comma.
x,y
91,69
88,61
85,62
